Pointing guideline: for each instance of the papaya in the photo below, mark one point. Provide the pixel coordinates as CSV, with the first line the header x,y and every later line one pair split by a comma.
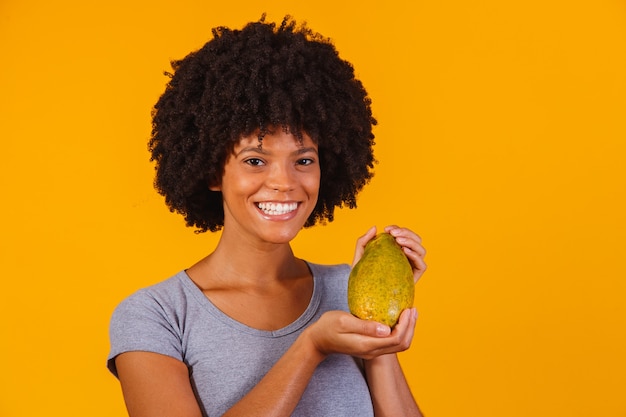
x,y
380,285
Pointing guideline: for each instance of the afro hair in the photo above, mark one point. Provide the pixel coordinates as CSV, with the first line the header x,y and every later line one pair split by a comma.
x,y
244,82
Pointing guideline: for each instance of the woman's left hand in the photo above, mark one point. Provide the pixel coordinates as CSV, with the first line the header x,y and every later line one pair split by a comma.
x,y
410,242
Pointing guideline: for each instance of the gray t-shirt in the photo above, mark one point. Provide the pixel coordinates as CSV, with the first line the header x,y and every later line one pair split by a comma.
x,y
227,358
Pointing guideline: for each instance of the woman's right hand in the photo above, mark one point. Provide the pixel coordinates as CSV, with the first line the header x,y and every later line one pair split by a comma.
x,y
341,332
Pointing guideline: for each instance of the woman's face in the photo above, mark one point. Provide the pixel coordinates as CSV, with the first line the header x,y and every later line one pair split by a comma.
x,y
269,191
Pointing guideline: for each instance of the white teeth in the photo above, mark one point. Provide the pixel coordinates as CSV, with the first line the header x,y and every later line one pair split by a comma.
x,y
275,209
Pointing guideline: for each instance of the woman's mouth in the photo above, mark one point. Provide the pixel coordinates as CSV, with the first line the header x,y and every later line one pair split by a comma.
x,y
277,209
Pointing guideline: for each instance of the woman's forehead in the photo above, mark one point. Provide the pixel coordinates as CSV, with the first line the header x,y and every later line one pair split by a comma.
x,y
276,138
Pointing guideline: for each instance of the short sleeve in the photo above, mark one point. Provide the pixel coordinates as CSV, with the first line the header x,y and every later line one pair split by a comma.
x,y
141,323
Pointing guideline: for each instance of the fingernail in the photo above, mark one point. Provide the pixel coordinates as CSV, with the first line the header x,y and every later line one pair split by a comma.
x,y
382,330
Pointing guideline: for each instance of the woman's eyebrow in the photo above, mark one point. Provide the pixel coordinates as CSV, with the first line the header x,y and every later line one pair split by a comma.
x,y
254,149
262,151
300,151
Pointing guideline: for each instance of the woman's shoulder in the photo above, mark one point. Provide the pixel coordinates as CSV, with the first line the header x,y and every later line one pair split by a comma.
x,y
331,284
166,294
331,277
150,319
326,271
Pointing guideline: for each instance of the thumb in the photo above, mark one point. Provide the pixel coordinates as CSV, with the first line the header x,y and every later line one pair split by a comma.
x,y
374,329
361,242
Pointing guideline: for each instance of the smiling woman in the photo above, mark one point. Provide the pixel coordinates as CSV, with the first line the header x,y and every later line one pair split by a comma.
x,y
262,132
241,85
270,188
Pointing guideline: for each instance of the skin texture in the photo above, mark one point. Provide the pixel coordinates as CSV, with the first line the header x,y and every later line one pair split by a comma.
x,y
254,266
280,170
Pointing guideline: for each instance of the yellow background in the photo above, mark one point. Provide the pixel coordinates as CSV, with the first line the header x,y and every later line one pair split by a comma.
x,y
502,141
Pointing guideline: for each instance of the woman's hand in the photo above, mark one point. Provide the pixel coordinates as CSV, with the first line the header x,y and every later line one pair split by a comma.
x,y
341,332
410,242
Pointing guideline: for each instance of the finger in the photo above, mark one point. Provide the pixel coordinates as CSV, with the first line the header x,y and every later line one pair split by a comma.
x,y
407,238
391,227
398,341
417,263
368,328
406,326
402,335
413,245
361,242
403,232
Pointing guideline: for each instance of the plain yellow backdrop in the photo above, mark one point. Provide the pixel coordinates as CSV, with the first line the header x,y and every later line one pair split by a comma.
x,y
502,141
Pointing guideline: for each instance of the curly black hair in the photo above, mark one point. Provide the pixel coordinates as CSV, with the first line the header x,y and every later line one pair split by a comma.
x,y
244,82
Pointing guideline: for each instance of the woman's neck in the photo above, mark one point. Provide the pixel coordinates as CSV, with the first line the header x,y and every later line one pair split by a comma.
x,y
250,265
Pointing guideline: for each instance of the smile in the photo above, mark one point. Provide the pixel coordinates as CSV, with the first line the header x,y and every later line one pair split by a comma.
x,y
276,209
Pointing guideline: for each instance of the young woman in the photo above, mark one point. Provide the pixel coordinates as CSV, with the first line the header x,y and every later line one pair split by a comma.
x,y
263,131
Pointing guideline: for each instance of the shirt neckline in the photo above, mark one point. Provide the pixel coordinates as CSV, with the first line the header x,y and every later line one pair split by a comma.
x,y
294,326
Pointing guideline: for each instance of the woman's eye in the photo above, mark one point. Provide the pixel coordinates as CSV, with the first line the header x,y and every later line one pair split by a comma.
x,y
254,162
305,161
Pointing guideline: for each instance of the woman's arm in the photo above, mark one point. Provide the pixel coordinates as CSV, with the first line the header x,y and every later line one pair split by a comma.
x,y
280,390
391,395
156,385
278,393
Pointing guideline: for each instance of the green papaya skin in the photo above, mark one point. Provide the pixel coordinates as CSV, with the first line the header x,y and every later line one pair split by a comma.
x,y
381,284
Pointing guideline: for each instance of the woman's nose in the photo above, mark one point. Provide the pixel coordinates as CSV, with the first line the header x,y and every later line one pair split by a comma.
x,y
280,178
